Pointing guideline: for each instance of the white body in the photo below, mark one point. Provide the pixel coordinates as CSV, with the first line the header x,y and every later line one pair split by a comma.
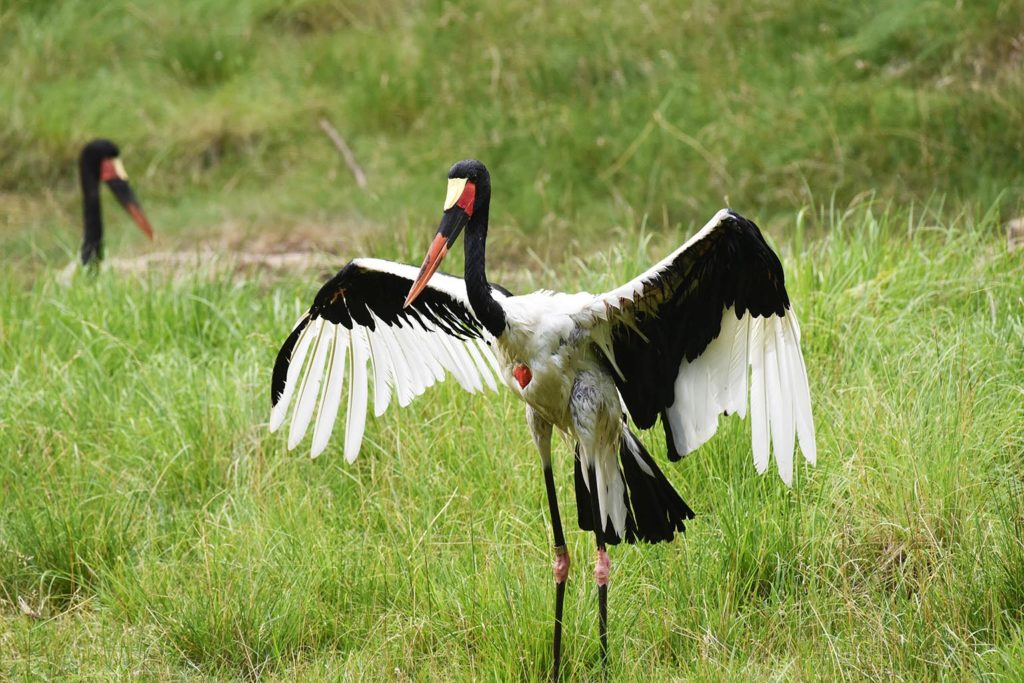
x,y
570,388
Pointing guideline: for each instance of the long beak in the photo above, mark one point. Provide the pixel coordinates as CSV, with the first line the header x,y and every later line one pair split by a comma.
x,y
123,191
452,223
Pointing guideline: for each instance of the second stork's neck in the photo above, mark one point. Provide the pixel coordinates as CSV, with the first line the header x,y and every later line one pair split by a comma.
x,y
92,243
481,298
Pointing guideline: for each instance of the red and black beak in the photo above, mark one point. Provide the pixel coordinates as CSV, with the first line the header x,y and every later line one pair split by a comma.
x,y
113,174
458,209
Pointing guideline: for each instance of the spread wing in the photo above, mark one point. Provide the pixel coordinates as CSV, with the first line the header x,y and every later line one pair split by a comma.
x,y
694,336
357,334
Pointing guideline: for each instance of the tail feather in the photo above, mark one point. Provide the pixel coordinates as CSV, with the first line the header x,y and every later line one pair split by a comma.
x,y
584,511
658,508
654,510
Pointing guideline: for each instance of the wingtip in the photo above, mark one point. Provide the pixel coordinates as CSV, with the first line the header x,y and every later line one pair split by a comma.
x,y
787,480
810,454
722,214
276,417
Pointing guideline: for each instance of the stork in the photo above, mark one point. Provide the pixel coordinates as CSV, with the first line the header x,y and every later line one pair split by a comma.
x,y
100,160
688,340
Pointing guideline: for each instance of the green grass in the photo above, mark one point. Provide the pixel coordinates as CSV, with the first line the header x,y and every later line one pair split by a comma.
x,y
586,116
161,531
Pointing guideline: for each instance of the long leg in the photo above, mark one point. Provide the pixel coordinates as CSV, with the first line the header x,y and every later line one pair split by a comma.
x,y
602,567
542,438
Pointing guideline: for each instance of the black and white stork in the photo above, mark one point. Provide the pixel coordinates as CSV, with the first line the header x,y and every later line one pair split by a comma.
x,y
686,341
100,160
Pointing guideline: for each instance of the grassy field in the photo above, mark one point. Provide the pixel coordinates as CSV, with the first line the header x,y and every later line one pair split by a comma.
x,y
151,528
588,118
159,530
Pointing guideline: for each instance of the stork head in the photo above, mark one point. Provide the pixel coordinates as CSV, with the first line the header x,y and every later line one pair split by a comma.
x,y
101,160
469,187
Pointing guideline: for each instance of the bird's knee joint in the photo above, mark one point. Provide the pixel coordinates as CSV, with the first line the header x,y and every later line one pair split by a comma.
x,y
602,568
561,565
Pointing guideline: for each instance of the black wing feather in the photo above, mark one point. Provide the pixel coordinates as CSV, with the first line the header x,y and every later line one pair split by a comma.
x,y
356,291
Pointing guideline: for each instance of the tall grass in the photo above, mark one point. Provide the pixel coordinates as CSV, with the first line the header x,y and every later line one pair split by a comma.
x,y
587,116
159,530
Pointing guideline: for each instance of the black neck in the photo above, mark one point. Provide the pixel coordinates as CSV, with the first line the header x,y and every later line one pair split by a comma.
x,y
92,244
481,299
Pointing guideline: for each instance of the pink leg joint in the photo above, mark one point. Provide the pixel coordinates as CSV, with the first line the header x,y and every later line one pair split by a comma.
x,y
602,568
561,566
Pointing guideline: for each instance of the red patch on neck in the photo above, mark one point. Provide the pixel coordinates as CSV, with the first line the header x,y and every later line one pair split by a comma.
x,y
522,374
467,200
107,170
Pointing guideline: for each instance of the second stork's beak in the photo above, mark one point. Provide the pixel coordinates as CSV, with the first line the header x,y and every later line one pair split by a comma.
x,y
112,172
458,209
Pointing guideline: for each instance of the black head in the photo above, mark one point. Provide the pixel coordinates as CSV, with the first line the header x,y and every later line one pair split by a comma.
x,y
470,169
97,151
466,204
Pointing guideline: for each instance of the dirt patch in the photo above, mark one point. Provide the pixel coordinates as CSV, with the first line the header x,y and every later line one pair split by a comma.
x,y
243,249
214,262
1015,234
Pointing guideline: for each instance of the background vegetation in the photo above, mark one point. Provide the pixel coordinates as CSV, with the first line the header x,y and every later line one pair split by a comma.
x,y
149,525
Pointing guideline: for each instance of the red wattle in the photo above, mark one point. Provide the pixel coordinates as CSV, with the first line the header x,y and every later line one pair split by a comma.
x,y
468,199
522,375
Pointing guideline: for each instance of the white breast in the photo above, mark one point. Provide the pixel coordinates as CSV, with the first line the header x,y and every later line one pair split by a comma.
x,y
541,336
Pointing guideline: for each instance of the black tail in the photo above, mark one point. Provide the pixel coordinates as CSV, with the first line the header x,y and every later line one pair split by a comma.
x,y
654,510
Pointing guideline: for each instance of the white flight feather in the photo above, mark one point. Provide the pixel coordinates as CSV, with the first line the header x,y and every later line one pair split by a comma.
x,y
695,414
280,410
784,447
758,409
615,494
310,387
382,368
485,351
447,356
776,407
432,354
481,365
706,401
602,489
739,368
683,394
355,422
418,376
330,400
473,370
461,366
804,417
428,355
719,363
675,420
795,324
399,368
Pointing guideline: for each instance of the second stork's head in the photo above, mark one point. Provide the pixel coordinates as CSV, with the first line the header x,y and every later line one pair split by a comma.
x,y
465,207
100,160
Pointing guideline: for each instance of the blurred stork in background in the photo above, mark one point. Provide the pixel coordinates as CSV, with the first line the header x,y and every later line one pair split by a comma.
x,y
707,331
100,160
